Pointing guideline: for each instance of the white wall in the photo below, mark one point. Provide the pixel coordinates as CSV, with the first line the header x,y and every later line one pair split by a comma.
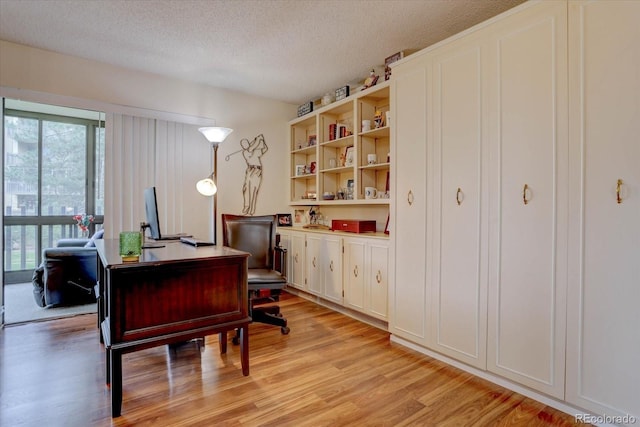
x,y
42,76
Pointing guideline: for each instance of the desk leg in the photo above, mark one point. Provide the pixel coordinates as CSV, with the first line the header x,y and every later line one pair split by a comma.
x,y
222,340
244,349
116,383
107,365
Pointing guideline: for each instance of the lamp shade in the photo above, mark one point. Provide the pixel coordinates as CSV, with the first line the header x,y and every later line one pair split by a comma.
x,y
215,134
206,187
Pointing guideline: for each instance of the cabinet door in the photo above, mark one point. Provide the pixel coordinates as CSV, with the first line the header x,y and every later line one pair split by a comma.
x,y
354,274
296,260
459,211
604,294
377,290
313,260
408,212
332,268
285,243
527,282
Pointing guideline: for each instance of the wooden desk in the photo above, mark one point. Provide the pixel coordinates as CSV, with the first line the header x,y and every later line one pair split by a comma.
x,y
171,294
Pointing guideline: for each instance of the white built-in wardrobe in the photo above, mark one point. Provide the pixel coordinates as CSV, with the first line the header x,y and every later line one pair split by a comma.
x,y
516,217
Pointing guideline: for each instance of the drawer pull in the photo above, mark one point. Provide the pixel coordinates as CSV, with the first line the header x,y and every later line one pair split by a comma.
x,y
314,262
410,198
331,265
378,277
458,200
524,194
355,271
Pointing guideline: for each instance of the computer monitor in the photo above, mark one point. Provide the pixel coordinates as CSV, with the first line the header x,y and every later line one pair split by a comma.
x,y
151,209
153,223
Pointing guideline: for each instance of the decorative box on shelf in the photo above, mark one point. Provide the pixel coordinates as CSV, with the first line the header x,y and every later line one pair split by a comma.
x,y
353,225
305,108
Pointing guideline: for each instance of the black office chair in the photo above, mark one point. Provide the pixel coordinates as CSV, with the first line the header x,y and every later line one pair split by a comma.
x,y
267,264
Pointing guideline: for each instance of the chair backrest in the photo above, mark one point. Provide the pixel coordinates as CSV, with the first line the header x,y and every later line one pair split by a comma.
x,y
253,234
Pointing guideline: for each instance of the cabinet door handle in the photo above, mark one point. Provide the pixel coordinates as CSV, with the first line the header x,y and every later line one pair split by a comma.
x,y
296,258
618,190
410,197
313,262
378,277
331,265
355,271
458,200
524,194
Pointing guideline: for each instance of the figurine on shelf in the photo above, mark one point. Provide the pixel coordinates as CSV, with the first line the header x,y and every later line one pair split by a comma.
x,y
343,159
377,119
371,80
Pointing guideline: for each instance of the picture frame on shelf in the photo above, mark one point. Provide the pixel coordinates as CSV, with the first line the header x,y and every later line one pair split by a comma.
x,y
342,92
349,155
312,140
284,220
299,216
301,170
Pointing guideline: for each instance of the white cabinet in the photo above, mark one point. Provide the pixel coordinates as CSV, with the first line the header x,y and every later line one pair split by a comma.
x,y
408,297
528,201
528,170
366,266
324,266
349,271
377,275
458,215
604,292
331,259
480,221
354,280
313,263
294,242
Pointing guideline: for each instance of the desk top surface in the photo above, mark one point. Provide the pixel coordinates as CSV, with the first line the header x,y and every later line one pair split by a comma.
x,y
109,253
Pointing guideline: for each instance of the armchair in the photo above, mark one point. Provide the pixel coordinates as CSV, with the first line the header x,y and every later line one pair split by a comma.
x,y
67,275
257,235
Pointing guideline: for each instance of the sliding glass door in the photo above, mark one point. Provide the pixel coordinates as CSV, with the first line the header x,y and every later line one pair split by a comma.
x,y
53,170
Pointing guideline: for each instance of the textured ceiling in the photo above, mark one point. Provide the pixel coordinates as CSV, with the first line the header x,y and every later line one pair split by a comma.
x,y
289,50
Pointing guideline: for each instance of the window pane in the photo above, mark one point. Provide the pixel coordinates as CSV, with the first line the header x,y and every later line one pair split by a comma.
x,y
21,166
20,251
99,172
64,152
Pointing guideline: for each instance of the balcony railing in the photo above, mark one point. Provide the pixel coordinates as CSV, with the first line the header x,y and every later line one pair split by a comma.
x,y
25,237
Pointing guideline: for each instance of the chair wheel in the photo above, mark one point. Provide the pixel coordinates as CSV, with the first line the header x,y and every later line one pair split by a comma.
x,y
285,330
279,315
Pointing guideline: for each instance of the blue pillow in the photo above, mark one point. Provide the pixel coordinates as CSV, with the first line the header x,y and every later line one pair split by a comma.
x,y
98,235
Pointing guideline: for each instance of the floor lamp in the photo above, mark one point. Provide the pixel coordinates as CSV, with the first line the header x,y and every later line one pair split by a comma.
x,y
207,187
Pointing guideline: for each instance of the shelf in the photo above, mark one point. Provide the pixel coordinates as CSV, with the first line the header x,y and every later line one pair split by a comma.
x,y
341,169
305,176
377,166
312,202
339,143
376,133
305,150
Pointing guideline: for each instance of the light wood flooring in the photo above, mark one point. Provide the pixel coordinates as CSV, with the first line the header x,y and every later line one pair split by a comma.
x,y
330,370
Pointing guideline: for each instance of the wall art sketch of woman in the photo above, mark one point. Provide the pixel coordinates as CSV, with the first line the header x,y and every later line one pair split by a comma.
x,y
252,153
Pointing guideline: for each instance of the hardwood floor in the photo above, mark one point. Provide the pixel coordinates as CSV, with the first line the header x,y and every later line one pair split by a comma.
x,y
330,370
